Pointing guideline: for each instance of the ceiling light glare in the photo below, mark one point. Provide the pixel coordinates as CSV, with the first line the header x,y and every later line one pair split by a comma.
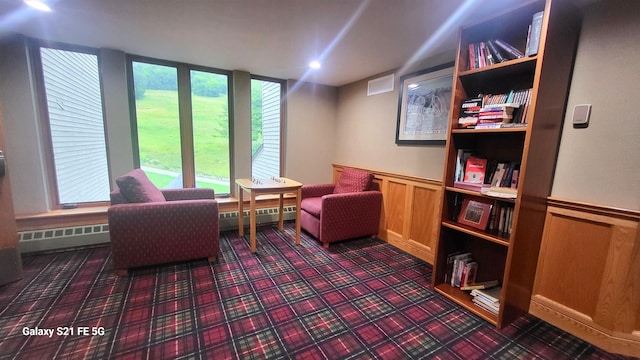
x,y
412,86
315,64
38,4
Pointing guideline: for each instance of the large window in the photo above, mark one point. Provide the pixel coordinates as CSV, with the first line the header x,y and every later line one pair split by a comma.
x,y
182,123
71,95
266,126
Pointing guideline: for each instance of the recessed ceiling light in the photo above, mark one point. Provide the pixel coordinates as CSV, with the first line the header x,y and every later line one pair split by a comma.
x,y
315,64
38,4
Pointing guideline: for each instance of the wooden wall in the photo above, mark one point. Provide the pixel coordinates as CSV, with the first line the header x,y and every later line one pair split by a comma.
x,y
410,211
588,275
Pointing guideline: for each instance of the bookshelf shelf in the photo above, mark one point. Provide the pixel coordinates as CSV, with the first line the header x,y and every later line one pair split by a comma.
x,y
509,257
471,231
475,193
507,67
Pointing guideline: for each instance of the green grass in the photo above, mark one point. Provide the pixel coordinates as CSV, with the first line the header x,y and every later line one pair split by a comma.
x,y
159,134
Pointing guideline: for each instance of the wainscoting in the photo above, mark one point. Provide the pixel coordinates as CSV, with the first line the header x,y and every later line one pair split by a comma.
x,y
588,275
410,212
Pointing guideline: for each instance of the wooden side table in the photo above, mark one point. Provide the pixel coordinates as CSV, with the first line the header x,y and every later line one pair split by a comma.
x,y
256,187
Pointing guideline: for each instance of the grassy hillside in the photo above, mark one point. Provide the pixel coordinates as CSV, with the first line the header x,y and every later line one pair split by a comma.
x,y
159,136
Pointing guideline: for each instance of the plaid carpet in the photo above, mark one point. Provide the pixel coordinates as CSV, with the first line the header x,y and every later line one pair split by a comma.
x,y
360,299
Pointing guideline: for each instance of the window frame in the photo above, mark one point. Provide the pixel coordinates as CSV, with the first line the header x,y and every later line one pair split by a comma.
x,y
283,112
34,46
184,113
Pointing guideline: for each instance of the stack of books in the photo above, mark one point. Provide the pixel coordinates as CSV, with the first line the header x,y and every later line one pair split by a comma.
x,y
488,299
490,115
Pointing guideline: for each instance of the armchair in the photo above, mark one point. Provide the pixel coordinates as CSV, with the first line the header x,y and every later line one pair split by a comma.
x,y
176,225
349,209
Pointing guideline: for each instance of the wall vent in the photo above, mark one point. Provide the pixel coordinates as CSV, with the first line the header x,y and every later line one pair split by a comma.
x,y
380,85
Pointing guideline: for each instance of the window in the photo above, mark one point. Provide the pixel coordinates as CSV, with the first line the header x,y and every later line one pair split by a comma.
x,y
210,118
266,125
72,99
182,123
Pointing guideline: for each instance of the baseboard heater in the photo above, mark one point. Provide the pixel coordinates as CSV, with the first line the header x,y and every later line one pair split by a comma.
x,y
87,235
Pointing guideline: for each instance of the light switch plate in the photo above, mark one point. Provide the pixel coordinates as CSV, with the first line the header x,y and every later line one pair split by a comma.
x,y
581,115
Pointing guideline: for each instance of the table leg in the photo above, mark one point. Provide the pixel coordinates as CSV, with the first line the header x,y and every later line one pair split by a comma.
x,y
298,202
281,212
252,224
240,211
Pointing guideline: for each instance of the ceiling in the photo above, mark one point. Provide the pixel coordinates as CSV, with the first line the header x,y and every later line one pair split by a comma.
x,y
354,39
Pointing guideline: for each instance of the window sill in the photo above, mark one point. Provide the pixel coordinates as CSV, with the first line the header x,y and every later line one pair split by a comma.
x,y
98,214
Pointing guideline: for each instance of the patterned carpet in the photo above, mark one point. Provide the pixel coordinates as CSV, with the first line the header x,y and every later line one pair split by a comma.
x,y
361,299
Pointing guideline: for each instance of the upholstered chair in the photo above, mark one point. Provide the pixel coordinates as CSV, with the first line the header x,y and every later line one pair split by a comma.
x,y
348,209
149,226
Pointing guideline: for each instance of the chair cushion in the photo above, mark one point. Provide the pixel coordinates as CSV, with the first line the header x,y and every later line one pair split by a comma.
x,y
136,187
312,206
353,180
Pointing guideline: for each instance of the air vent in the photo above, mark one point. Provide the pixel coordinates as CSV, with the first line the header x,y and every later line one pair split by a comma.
x,y
380,85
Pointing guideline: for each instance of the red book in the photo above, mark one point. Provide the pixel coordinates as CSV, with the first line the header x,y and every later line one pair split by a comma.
x,y
475,170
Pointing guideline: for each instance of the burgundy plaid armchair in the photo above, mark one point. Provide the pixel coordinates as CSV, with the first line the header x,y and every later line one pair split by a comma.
x,y
345,210
161,226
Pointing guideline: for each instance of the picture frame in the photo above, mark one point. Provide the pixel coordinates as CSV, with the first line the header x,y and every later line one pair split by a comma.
x,y
424,106
475,213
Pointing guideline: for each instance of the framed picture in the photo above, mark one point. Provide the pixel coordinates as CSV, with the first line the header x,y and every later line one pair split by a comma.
x,y
424,106
475,213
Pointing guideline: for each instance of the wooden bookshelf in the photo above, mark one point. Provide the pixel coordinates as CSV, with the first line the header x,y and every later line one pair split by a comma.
x,y
509,258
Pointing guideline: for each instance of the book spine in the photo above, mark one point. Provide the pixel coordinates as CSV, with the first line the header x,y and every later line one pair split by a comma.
x,y
472,57
534,38
495,52
510,50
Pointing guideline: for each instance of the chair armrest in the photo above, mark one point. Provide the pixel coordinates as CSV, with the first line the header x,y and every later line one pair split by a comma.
x,y
359,202
188,194
317,190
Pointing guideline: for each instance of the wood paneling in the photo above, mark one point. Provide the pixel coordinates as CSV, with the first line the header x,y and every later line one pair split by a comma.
x,y
395,204
588,275
410,212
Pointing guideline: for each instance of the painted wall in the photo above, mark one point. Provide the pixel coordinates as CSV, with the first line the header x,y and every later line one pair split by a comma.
x,y
24,150
310,132
601,164
366,130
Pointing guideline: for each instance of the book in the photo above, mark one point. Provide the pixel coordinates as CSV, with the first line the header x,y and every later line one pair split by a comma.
x,y
491,294
458,268
475,170
468,273
469,110
494,309
450,259
495,52
480,285
472,57
533,42
461,162
479,187
454,259
502,192
510,51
